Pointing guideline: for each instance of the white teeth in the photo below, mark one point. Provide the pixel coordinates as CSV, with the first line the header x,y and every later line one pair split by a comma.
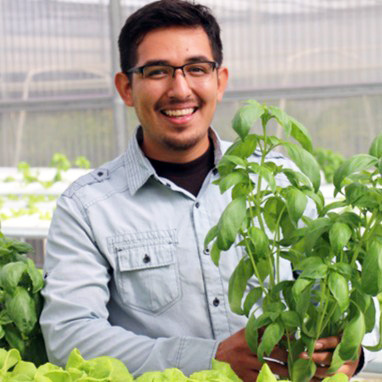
x,y
178,113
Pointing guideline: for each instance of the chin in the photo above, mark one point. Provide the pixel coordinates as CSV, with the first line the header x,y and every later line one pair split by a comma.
x,y
176,144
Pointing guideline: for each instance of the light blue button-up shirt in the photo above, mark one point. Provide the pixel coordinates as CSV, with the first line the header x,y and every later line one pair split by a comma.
x,y
126,273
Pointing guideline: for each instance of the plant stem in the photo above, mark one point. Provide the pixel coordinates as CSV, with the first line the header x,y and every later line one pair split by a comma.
x,y
328,318
324,302
255,268
369,229
276,239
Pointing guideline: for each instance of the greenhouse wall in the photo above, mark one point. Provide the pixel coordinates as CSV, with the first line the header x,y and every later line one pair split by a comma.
x,y
320,60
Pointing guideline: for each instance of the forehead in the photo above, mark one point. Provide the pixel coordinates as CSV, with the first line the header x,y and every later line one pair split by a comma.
x,y
175,45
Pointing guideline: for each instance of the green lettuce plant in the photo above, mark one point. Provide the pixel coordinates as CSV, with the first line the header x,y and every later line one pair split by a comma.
x,y
108,369
20,301
338,255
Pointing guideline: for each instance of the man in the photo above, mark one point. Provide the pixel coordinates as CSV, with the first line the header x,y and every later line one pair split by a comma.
x,y
126,274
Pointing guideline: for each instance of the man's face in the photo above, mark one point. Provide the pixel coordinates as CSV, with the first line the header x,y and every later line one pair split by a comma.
x,y
175,113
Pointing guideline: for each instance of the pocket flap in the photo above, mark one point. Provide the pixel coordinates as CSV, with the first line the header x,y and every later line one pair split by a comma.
x,y
145,257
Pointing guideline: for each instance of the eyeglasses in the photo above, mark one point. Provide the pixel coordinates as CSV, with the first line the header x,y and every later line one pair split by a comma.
x,y
195,70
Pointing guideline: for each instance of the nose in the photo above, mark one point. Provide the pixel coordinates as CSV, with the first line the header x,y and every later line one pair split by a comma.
x,y
178,85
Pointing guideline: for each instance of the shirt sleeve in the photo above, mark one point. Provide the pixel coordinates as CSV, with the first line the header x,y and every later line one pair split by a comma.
x,y
75,313
370,339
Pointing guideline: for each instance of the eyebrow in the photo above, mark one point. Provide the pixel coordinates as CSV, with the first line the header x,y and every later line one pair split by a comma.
x,y
166,62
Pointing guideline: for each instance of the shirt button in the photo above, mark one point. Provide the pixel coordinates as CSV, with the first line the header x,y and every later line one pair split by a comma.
x,y
216,301
197,204
206,251
215,171
99,173
146,259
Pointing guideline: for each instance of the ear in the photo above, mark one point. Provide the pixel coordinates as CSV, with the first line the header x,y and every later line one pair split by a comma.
x,y
124,88
222,82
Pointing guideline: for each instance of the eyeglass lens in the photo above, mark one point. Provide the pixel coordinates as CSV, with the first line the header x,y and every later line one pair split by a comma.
x,y
193,70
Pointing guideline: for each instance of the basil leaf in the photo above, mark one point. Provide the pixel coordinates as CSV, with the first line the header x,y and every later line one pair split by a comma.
x,y
246,148
296,178
371,278
260,241
290,319
14,338
296,202
251,333
212,233
339,288
235,160
230,223
301,135
306,162
370,314
11,275
354,192
35,276
215,253
268,176
378,346
21,309
238,284
232,179
315,229
337,361
246,117
303,370
271,337
272,209
376,147
352,337
339,236
355,164
253,296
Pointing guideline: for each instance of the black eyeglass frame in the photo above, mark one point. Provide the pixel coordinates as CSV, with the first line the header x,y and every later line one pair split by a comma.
x,y
140,69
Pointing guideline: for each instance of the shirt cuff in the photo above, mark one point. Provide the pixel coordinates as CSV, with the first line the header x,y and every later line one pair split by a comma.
x,y
361,362
196,354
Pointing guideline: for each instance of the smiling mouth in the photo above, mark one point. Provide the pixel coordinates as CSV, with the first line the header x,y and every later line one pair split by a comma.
x,y
179,112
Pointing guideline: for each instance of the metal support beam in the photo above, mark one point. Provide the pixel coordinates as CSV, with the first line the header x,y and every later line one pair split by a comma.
x,y
119,109
312,92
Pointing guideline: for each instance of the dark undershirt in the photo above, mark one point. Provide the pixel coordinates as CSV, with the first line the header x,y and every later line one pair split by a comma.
x,y
189,176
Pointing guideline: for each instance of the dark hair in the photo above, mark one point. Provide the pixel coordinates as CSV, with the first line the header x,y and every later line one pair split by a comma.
x,y
162,14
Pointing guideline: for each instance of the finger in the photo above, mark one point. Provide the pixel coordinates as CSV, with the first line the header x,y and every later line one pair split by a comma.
x,y
320,358
322,372
327,343
249,362
279,369
349,368
279,354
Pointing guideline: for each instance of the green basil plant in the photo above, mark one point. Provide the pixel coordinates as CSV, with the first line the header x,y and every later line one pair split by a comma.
x,y
337,255
20,301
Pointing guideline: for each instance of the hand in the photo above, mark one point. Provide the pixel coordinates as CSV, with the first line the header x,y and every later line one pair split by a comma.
x,y
322,356
244,363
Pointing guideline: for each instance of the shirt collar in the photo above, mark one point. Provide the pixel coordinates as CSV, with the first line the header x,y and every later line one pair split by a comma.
x,y
138,168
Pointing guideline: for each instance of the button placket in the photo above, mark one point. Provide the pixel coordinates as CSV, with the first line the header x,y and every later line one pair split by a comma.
x,y
214,289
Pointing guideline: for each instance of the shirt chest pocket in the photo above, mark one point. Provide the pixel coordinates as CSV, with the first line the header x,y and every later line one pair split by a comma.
x,y
147,278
